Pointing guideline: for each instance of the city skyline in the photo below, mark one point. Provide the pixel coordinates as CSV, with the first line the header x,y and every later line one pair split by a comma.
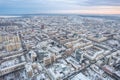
x,y
60,7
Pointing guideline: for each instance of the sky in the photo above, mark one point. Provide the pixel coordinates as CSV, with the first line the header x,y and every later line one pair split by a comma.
x,y
60,6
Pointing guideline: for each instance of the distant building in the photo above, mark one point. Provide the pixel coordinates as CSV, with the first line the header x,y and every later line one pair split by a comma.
x,y
42,26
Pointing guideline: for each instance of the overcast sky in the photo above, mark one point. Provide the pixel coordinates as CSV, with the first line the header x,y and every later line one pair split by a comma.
x,y
60,6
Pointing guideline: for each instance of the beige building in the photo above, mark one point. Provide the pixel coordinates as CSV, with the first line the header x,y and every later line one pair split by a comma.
x,y
12,68
12,43
1,39
97,39
79,43
94,52
12,46
68,51
49,59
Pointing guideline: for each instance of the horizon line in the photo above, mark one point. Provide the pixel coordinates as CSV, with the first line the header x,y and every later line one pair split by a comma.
x,y
56,14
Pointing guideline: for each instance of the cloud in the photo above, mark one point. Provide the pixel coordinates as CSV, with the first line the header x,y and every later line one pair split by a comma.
x,y
103,2
92,10
50,6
